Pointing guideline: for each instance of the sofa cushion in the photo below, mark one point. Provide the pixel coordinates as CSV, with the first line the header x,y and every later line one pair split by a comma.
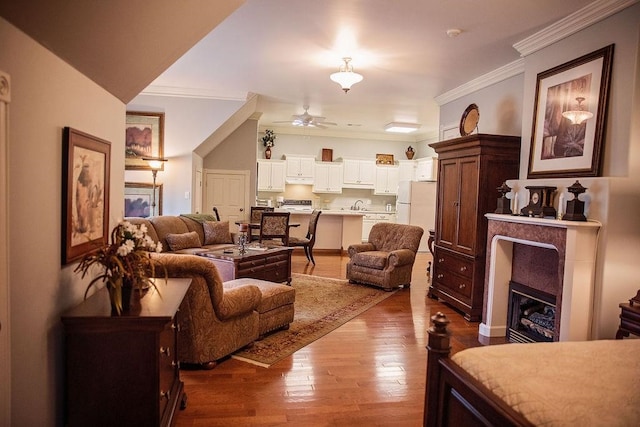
x,y
181,241
216,232
166,225
274,295
371,259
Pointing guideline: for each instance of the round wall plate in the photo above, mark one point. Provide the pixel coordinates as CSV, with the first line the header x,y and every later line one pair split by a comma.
x,y
469,120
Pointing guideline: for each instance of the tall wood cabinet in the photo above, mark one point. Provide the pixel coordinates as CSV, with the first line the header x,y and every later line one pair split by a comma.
x,y
470,169
123,370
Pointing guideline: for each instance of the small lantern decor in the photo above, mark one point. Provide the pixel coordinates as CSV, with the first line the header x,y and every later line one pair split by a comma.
x,y
504,204
575,207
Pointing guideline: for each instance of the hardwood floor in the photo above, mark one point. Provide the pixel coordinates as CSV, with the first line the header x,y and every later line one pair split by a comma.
x,y
370,371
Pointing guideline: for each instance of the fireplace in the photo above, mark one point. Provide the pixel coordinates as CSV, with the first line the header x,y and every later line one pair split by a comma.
x,y
575,243
531,315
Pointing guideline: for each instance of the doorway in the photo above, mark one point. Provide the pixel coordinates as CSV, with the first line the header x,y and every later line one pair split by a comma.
x,y
228,191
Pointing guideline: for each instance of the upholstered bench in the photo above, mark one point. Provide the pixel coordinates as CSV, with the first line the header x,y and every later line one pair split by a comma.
x,y
276,307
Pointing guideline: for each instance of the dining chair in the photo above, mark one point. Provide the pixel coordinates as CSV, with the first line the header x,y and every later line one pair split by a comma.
x,y
308,241
255,217
274,228
215,212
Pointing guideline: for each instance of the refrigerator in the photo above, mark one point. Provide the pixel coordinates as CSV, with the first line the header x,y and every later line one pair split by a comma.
x,y
416,205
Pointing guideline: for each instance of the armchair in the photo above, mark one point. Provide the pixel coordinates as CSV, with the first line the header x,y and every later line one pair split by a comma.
x,y
387,259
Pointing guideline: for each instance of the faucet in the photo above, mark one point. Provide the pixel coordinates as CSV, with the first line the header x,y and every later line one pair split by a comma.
x,y
355,205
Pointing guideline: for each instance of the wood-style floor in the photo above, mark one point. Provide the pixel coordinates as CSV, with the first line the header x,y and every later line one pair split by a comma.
x,y
368,372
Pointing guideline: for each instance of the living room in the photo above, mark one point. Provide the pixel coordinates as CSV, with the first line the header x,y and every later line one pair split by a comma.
x,y
48,94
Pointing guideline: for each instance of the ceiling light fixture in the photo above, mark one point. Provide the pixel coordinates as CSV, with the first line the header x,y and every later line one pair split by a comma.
x,y
398,127
577,116
346,77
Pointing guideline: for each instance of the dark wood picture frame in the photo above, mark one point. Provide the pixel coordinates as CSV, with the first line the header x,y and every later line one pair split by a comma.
x,y
144,137
558,147
138,199
85,193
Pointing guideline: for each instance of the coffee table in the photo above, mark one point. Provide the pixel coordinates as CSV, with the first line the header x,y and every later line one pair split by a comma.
x,y
272,264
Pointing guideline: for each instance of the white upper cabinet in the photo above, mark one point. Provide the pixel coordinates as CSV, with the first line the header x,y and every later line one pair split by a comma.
x,y
427,169
359,173
386,180
271,175
407,170
300,169
327,177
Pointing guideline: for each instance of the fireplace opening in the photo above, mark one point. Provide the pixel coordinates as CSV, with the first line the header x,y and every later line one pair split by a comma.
x,y
531,315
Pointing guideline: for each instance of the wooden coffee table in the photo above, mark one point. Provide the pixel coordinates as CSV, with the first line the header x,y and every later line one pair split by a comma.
x,y
272,264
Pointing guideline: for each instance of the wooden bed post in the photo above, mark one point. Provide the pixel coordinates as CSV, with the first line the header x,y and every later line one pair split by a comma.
x,y
437,348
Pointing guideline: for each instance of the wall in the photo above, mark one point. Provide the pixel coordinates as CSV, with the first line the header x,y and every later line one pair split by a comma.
x,y
188,122
47,95
615,195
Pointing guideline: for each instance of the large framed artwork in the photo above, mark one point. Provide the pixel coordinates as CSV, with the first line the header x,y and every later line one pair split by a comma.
x,y
569,117
144,138
139,199
85,194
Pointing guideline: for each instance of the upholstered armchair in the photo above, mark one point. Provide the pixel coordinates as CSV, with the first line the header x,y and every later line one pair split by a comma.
x,y
214,321
386,260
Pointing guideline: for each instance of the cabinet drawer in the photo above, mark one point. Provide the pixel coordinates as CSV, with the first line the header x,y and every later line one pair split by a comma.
x,y
251,264
277,272
167,365
453,283
276,258
451,263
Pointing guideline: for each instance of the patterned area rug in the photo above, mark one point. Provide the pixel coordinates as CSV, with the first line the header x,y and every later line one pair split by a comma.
x,y
321,306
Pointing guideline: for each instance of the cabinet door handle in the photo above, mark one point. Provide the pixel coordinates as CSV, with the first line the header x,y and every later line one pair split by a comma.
x,y
166,351
463,268
440,259
462,286
440,276
165,394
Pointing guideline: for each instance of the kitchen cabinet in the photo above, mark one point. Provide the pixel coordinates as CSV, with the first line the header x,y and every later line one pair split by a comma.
x,y
327,177
371,219
386,180
271,175
358,173
426,169
470,169
407,170
300,169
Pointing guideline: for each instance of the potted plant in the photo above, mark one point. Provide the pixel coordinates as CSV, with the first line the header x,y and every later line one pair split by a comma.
x,y
268,140
126,264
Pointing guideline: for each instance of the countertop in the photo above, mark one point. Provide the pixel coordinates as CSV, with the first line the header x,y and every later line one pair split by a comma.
x,y
340,212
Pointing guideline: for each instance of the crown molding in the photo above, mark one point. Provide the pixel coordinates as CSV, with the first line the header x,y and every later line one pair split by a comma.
x,y
506,71
183,92
577,21
336,133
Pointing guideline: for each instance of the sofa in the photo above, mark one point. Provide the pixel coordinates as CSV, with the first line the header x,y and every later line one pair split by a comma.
x,y
187,233
217,318
386,260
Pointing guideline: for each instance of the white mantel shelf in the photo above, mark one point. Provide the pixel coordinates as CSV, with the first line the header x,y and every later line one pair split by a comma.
x,y
547,222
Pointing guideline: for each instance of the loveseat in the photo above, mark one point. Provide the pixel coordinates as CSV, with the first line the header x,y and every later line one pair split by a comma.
x,y
386,260
217,318
188,233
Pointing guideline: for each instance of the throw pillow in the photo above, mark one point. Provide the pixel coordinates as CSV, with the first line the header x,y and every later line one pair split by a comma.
x,y
183,241
216,232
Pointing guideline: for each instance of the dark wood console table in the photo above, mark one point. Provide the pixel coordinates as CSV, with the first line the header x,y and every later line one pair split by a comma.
x,y
123,370
273,264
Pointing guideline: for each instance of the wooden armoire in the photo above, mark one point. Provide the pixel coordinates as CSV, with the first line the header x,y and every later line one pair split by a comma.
x,y
470,169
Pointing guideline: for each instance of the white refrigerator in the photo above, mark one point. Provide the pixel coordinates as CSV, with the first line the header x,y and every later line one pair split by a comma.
x,y
416,205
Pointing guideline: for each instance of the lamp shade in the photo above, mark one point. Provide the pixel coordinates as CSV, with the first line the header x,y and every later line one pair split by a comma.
x,y
155,163
346,77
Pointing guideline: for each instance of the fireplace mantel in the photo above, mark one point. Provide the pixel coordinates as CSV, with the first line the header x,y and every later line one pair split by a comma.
x,y
576,244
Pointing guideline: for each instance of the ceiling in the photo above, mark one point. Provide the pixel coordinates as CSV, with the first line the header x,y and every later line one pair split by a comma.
x,y
284,51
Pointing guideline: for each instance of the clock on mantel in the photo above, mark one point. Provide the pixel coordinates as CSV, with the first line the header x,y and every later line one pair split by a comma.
x,y
540,198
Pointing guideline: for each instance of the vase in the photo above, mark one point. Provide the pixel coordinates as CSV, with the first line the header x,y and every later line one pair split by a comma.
x,y
127,297
410,154
267,153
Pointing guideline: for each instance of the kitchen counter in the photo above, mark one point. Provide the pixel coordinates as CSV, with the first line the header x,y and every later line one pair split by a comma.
x,y
336,229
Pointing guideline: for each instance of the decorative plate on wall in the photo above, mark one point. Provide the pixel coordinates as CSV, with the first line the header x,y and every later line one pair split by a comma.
x,y
469,120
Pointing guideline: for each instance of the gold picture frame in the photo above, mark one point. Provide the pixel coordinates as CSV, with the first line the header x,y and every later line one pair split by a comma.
x,y
144,138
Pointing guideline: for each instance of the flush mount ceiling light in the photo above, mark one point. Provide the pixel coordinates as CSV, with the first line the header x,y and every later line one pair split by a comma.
x,y
346,77
578,116
398,127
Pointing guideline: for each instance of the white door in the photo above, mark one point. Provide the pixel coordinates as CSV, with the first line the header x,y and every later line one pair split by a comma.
x,y
228,191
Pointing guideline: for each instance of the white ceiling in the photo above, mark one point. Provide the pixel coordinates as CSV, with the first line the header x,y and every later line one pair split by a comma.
x,y
284,50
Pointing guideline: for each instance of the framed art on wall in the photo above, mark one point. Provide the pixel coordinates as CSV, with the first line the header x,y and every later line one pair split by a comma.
x,y
144,138
85,193
569,117
139,199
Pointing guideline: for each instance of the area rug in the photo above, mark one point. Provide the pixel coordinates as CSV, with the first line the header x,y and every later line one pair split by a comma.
x,y
321,306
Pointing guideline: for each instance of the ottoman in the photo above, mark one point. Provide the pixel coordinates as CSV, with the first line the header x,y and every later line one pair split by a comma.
x,y
275,310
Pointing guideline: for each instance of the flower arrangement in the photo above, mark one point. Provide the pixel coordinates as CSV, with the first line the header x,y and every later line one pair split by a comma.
x,y
126,262
268,140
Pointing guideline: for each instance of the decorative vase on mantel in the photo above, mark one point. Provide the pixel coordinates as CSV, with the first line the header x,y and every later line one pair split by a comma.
x,y
267,153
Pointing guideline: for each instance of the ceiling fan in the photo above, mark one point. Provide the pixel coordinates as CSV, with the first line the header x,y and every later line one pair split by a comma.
x,y
307,120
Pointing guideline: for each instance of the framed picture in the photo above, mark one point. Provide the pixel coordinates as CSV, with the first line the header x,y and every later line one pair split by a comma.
x,y
144,137
139,199
561,147
85,194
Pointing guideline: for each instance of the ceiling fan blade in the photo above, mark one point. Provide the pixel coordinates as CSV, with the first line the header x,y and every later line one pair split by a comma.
x,y
326,123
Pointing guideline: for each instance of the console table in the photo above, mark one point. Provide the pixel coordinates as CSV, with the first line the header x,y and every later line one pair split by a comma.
x,y
123,370
272,264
